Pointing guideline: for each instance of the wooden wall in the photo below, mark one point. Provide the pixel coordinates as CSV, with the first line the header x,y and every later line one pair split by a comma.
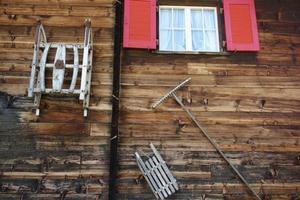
x,y
59,154
249,103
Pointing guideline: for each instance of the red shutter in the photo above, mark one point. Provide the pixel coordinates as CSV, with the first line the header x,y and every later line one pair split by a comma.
x,y
241,25
140,24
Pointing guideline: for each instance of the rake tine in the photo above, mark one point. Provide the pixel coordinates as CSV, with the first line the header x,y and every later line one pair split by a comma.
x,y
155,105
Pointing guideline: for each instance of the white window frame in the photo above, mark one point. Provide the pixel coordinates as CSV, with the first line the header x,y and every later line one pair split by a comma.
x,y
188,29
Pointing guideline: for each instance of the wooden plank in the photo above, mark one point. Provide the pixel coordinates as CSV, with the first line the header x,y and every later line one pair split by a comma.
x,y
61,2
58,10
59,68
58,21
42,69
213,92
55,175
211,81
75,69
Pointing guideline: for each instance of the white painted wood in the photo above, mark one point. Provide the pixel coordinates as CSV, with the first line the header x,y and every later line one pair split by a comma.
x,y
59,72
37,85
159,184
164,166
85,112
84,72
85,61
42,67
63,91
188,32
39,37
33,71
159,176
163,173
37,112
37,100
56,45
68,66
43,34
148,177
75,69
86,101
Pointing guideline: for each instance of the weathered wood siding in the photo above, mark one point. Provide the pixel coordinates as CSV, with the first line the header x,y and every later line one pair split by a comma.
x,y
59,153
249,103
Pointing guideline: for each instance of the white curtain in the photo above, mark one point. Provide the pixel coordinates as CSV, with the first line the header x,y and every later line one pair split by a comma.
x,y
203,30
165,33
197,30
179,29
210,30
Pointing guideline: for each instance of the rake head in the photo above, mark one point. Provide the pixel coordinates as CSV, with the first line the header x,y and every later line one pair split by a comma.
x,y
156,104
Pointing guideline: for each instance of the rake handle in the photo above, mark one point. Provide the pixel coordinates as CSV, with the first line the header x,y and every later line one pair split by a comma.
x,y
215,145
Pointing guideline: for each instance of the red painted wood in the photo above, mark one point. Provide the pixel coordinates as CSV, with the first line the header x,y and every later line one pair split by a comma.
x,y
240,25
139,24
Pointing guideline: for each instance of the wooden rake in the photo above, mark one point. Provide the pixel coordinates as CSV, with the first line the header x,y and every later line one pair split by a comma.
x,y
193,118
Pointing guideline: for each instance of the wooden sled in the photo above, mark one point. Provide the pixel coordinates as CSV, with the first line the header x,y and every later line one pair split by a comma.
x,y
157,174
40,65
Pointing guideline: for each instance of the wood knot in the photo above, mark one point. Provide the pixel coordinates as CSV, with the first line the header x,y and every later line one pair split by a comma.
x,y
223,73
13,17
205,102
12,36
262,104
272,173
63,194
266,197
279,15
59,64
139,179
101,182
237,104
180,125
297,160
203,197
186,100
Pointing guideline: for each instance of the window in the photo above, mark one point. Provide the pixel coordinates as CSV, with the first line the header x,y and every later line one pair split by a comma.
x,y
188,29
191,28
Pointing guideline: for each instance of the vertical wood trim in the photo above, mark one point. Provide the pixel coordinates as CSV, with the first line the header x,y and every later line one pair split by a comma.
x,y
188,29
113,165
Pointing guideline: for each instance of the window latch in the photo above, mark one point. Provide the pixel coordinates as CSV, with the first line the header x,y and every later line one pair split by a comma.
x,y
221,10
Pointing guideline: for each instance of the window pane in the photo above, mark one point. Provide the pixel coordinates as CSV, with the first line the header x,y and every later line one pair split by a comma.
x,y
209,19
197,40
196,19
165,18
173,29
165,40
179,40
178,18
210,41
